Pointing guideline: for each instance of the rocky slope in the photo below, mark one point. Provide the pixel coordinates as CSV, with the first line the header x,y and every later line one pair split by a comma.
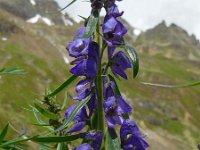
x,y
169,117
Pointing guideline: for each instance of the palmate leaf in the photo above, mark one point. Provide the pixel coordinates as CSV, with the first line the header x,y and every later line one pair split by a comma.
x,y
12,71
172,86
3,133
77,109
45,112
112,141
91,26
134,58
64,85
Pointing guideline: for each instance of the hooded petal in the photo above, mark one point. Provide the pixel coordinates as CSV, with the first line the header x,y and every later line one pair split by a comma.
x,y
82,115
81,84
83,94
95,138
79,69
77,127
113,120
129,127
136,143
122,106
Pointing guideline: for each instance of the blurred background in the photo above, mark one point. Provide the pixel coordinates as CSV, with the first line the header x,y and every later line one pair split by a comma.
x,y
33,37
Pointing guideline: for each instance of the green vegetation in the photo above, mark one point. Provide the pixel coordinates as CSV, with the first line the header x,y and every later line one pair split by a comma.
x,y
170,57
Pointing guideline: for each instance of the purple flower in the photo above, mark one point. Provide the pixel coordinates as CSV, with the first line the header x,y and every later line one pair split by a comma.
x,y
131,137
114,107
95,138
84,146
79,119
79,47
113,11
119,63
113,31
86,65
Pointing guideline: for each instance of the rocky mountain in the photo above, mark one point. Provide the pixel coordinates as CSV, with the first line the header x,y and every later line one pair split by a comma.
x,y
168,55
32,11
175,40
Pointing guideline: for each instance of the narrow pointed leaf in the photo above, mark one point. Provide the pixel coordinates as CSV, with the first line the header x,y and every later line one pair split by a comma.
x,y
80,105
56,139
68,5
112,140
12,71
91,26
134,58
46,113
12,142
39,119
172,86
3,133
64,85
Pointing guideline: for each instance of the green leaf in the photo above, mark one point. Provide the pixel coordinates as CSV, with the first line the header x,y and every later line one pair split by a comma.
x,y
3,133
112,140
12,142
12,71
134,58
46,113
64,85
68,5
77,109
39,119
91,26
117,91
64,102
61,146
56,139
173,86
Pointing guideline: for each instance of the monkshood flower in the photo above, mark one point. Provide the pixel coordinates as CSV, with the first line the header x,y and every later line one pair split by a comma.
x,y
113,31
119,63
94,138
79,119
131,136
113,12
86,64
114,107
79,46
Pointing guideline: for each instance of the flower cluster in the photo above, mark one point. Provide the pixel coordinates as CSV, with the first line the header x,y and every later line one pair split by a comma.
x,y
87,63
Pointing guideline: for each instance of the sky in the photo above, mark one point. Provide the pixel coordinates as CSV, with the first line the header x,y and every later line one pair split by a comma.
x,y
145,14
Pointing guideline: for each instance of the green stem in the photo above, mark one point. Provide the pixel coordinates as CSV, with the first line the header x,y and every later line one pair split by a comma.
x,y
99,87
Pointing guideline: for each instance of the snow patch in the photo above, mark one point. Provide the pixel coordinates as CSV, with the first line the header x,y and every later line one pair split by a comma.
x,y
4,39
137,32
66,21
33,2
38,17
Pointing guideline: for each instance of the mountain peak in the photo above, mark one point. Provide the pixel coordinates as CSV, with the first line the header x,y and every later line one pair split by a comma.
x,y
36,10
173,38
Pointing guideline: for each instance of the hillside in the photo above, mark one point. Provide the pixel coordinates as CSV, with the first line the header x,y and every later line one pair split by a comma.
x,y
169,117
